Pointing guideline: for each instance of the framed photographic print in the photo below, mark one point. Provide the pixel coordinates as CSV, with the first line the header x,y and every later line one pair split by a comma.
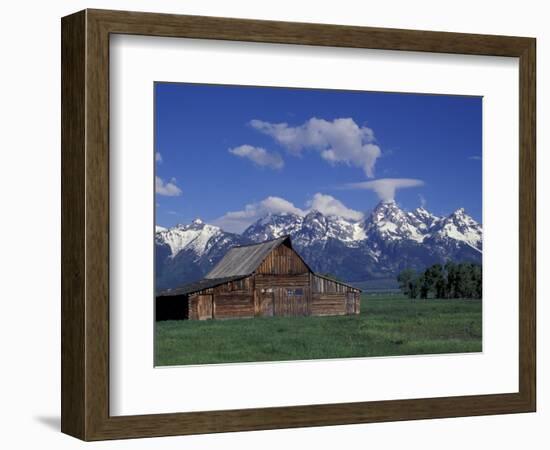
x,y
273,225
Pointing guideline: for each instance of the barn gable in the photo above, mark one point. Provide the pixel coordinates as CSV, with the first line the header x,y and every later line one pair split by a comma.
x,y
244,260
283,260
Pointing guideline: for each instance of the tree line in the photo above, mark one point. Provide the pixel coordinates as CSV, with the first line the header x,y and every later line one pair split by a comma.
x,y
451,280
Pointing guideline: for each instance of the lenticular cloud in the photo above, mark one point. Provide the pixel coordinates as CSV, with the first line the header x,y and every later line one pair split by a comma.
x,y
385,188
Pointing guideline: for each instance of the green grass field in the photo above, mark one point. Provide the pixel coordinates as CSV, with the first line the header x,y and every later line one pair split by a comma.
x,y
388,325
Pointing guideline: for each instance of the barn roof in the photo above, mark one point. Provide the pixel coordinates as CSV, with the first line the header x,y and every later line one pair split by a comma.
x,y
245,259
198,286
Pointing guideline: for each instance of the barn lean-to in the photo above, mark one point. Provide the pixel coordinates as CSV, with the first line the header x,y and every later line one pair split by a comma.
x,y
265,279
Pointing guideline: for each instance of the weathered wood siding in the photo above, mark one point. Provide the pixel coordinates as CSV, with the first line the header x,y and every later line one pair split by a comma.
x,y
328,304
204,306
329,297
282,261
200,306
233,299
239,286
351,303
292,301
282,295
192,306
326,286
228,300
269,281
357,296
233,305
264,303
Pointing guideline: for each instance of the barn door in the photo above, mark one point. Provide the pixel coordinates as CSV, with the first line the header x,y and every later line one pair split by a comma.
x,y
291,301
204,306
267,299
350,303
298,301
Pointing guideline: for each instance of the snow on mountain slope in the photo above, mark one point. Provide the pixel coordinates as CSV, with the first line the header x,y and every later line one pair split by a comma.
x,y
273,226
195,236
319,228
387,222
314,228
387,240
423,219
460,227
390,222
186,253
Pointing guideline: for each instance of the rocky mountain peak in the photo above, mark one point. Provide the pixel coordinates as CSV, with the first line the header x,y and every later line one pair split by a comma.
x,y
197,222
461,218
458,227
389,222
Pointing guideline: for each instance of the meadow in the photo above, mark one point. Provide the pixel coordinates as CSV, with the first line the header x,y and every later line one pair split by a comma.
x,y
388,325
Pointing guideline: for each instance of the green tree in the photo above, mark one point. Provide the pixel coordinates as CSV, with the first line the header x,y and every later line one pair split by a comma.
x,y
463,280
436,281
452,280
408,283
466,280
425,284
414,288
440,281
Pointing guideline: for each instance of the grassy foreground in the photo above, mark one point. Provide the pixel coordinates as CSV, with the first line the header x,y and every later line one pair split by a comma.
x,y
387,326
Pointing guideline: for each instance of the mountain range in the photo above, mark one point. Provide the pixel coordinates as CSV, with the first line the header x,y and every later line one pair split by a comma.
x,y
385,241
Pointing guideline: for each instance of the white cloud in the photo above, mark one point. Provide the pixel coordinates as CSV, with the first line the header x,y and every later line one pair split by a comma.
x,y
330,206
158,157
475,158
238,221
168,189
337,141
385,188
259,156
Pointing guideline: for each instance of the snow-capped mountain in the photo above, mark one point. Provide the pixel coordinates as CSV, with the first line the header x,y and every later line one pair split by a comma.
x,y
422,218
197,236
388,222
312,229
386,241
273,226
187,252
456,230
318,227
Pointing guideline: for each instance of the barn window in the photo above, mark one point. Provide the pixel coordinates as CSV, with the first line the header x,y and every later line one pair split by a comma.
x,y
294,292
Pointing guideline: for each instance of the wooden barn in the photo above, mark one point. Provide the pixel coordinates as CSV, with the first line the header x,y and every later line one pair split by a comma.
x,y
265,279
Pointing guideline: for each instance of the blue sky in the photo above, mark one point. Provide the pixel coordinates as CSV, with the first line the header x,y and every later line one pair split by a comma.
x,y
229,154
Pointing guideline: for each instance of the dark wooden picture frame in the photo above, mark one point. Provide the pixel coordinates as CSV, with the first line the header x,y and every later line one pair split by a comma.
x,y
85,224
